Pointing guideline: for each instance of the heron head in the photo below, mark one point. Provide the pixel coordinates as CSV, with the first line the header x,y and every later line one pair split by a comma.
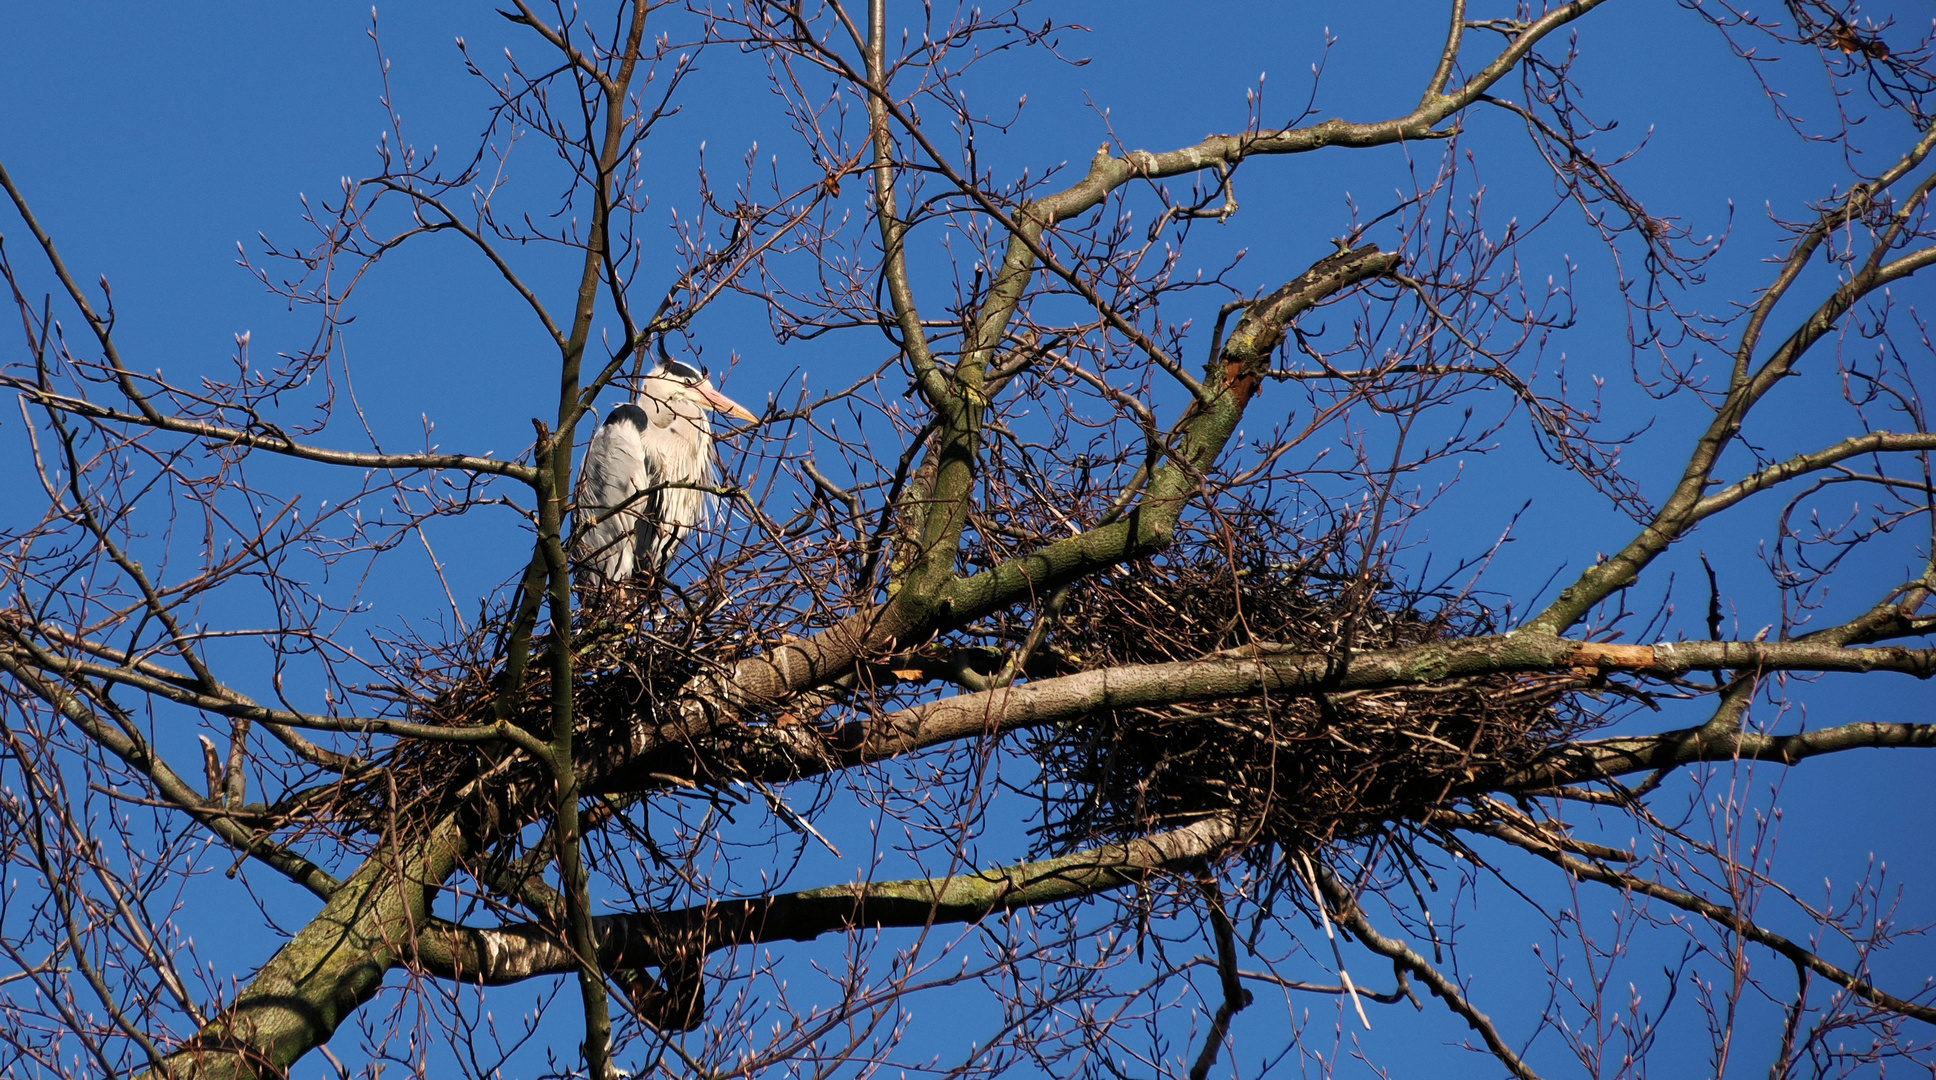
x,y
676,380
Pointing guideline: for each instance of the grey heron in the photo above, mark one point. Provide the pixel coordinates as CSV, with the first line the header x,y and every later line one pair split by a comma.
x,y
640,489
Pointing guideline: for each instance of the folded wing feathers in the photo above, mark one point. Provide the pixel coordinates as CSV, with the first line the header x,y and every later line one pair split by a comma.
x,y
638,451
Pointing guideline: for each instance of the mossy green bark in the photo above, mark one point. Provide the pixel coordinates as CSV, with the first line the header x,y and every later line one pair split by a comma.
x,y
334,964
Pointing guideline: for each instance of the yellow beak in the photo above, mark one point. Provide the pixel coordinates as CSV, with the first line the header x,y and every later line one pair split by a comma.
x,y
721,403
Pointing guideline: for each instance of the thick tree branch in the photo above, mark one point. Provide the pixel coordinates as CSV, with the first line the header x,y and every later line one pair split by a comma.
x,y
1069,697
644,939
1601,759
1200,436
334,964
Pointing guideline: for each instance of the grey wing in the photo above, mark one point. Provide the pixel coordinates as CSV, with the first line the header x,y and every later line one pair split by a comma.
x,y
618,488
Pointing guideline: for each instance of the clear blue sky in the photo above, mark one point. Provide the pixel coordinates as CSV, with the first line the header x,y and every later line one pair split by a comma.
x,y
152,139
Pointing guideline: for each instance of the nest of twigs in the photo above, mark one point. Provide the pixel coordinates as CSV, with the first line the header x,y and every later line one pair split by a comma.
x,y
1301,771
632,655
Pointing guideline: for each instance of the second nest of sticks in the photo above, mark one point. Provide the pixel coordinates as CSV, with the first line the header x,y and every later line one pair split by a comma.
x,y
1300,771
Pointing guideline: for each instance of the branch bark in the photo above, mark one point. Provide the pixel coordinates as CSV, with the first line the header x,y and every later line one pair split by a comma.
x,y
1070,697
641,939
334,964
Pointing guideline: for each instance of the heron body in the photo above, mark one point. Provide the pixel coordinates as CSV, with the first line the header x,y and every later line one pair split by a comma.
x,y
641,487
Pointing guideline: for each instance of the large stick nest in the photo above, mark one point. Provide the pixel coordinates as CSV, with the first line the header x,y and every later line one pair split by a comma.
x,y
626,664
1302,771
